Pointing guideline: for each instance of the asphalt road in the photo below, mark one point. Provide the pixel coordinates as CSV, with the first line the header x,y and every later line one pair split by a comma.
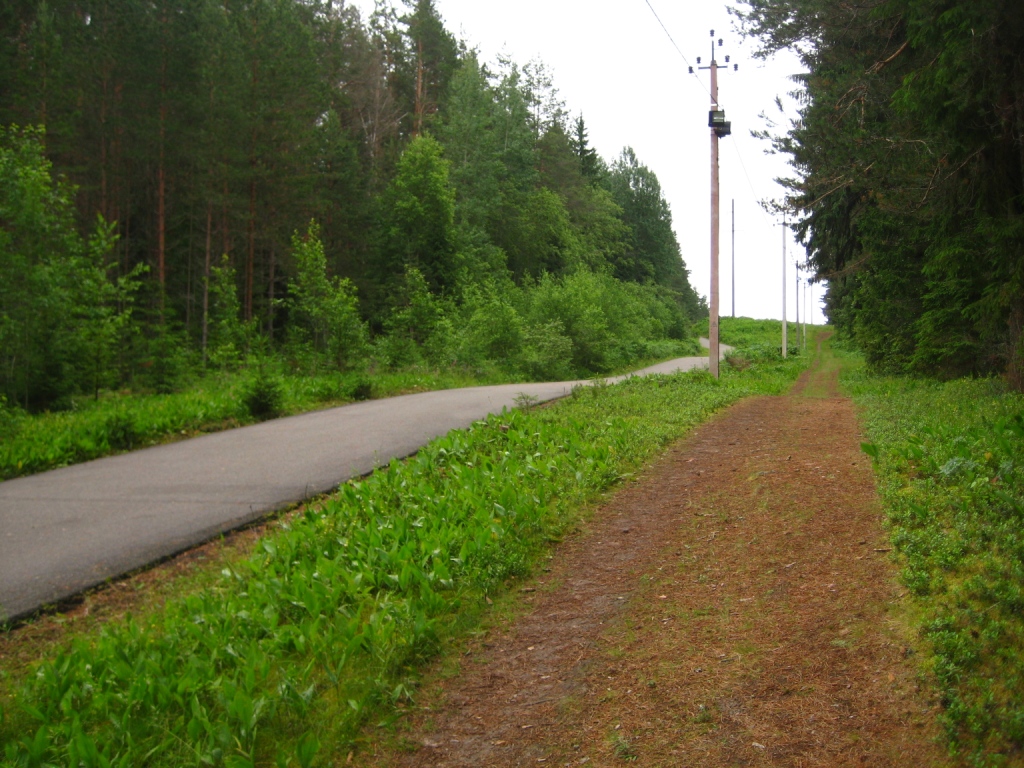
x,y
64,531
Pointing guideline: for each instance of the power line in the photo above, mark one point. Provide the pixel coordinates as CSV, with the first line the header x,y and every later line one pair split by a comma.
x,y
674,45
739,156
750,183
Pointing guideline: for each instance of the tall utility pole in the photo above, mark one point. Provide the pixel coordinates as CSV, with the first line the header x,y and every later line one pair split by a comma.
x,y
734,257
785,345
796,298
720,128
805,313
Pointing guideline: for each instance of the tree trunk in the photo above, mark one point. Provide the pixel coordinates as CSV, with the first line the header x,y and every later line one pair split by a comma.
x,y
419,107
206,279
162,175
270,294
250,259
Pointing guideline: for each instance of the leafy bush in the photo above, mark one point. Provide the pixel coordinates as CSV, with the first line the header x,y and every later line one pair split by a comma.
x,y
120,432
360,389
546,352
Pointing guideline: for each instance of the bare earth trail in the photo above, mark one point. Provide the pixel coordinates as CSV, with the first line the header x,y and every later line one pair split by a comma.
x,y
736,606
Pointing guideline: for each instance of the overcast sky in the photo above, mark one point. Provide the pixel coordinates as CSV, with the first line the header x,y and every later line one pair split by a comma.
x,y
612,62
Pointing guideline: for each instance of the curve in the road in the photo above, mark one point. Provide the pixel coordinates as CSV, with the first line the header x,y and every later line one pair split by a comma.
x,y
64,531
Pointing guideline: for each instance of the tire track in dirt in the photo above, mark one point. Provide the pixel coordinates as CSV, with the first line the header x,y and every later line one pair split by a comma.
x,y
734,606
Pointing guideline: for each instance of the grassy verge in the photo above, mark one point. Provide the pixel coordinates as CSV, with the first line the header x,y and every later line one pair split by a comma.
x,y
286,654
760,337
950,462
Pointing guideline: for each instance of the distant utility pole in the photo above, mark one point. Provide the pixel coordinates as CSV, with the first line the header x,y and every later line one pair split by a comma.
x,y
785,345
720,128
796,297
734,257
806,283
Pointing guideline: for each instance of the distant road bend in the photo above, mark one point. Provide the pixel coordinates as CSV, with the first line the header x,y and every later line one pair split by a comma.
x,y
64,531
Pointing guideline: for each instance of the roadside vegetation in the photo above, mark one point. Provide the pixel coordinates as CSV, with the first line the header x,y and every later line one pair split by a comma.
x,y
384,202
90,366
950,462
289,651
120,422
757,339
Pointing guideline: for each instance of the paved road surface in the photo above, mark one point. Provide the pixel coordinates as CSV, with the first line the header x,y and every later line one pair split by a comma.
x,y
69,529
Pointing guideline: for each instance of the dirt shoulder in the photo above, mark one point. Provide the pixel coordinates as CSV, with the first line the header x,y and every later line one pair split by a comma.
x,y
735,606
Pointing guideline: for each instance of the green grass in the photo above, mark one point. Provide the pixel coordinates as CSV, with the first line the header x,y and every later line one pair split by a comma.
x,y
284,657
751,334
950,462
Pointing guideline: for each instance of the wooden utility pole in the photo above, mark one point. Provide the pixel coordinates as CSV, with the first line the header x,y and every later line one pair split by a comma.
x,y
734,257
785,344
720,128
806,283
713,321
796,296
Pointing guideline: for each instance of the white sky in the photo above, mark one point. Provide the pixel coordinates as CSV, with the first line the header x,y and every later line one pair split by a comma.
x,y
611,60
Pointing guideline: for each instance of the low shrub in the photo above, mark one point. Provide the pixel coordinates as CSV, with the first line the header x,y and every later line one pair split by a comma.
x,y
263,396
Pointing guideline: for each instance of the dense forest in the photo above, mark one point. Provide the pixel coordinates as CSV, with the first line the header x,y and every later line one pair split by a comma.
x,y
909,151
187,184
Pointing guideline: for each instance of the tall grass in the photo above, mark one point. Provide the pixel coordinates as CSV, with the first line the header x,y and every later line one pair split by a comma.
x,y
288,654
950,460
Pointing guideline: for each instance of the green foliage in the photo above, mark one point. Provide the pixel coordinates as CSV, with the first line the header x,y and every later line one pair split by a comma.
x,y
263,396
759,340
417,327
909,153
653,251
951,464
269,159
419,215
92,428
61,319
326,313
542,239
323,626
228,336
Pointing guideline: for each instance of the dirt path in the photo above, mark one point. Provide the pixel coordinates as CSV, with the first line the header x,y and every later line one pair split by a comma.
x,y
736,606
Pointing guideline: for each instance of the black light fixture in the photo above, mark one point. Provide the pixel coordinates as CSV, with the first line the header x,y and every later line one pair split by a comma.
x,y
716,120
